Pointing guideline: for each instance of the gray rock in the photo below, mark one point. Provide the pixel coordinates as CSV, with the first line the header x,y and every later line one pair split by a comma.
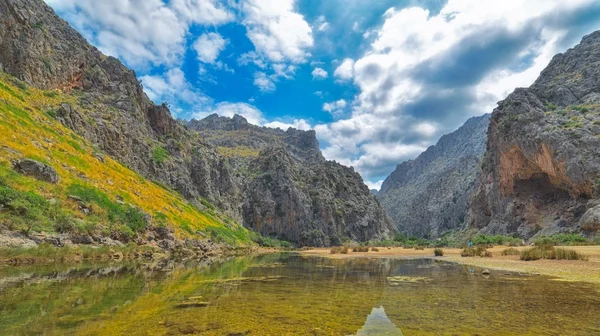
x,y
429,196
542,165
37,170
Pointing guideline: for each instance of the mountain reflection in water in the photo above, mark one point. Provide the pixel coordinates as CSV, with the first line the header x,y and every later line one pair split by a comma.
x,y
378,323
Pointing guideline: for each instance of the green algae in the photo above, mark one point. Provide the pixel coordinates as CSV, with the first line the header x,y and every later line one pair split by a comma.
x,y
293,295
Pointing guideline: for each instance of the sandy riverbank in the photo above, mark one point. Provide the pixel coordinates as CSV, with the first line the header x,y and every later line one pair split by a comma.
x,y
565,270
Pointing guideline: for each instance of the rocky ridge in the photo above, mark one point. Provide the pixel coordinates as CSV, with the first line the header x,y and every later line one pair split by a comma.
x,y
110,109
291,191
540,174
429,196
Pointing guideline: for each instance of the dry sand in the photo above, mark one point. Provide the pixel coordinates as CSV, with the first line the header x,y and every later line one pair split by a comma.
x,y
564,270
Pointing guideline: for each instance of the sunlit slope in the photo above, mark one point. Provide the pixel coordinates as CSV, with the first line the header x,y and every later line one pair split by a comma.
x,y
115,198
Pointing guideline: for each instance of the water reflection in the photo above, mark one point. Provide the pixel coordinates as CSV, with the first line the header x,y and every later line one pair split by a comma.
x,y
290,295
379,324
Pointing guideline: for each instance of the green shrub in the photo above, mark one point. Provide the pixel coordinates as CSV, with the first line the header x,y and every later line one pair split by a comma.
x,y
400,238
51,94
510,251
374,249
485,240
160,155
438,252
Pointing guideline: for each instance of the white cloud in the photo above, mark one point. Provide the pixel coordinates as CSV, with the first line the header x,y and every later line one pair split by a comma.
x,y
411,84
209,46
263,82
277,31
173,88
336,108
300,124
345,70
321,24
141,32
374,185
319,73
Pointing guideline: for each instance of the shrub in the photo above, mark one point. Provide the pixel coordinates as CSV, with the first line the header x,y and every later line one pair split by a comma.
x,y
159,155
419,247
360,249
374,249
475,252
438,252
339,249
550,252
510,251
400,238
485,240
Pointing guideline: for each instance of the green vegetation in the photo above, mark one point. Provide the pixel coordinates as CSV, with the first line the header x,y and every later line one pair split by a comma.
x,y
47,63
550,106
438,252
579,108
511,251
551,252
51,94
266,241
160,155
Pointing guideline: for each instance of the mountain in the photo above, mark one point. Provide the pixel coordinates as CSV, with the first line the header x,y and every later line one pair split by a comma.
x,y
290,190
52,71
540,174
429,196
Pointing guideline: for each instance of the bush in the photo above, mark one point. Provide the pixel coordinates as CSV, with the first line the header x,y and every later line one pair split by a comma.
x,y
360,249
438,252
561,239
511,251
374,249
475,252
339,249
550,252
419,247
159,155
485,240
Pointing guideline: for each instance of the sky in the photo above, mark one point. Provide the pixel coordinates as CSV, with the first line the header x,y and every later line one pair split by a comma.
x,y
379,81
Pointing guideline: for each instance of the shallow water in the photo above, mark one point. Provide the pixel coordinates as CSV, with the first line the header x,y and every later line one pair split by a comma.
x,y
291,295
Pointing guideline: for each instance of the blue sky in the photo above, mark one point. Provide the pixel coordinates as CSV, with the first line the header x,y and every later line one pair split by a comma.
x,y
379,81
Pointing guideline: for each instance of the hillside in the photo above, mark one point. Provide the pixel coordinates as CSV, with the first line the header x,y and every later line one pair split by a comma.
x,y
429,196
94,196
290,190
540,174
104,104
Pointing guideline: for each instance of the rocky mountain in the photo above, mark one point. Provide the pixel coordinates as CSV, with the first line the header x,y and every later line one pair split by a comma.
x,y
540,174
104,103
290,190
429,196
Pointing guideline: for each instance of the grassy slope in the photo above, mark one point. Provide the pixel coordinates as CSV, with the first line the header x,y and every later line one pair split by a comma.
x,y
28,129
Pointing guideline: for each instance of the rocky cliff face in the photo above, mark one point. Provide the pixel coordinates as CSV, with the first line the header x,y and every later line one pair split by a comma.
x,y
541,172
110,109
429,196
290,190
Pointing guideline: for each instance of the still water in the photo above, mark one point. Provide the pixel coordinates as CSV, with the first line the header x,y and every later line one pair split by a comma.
x,y
291,295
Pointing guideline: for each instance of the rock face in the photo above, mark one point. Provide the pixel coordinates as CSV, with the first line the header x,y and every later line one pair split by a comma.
x,y
112,111
37,170
540,173
429,195
290,190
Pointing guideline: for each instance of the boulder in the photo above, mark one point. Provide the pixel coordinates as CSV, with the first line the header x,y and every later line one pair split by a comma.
x,y
38,170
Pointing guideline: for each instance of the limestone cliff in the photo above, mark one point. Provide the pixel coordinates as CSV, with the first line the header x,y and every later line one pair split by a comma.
x,y
428,196
541,171
290,190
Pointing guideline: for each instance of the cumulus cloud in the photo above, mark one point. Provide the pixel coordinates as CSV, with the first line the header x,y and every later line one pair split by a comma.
x,y
345,71
263,82
141,32
277,31
209,46
423,74
336,108
172,87
319,73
